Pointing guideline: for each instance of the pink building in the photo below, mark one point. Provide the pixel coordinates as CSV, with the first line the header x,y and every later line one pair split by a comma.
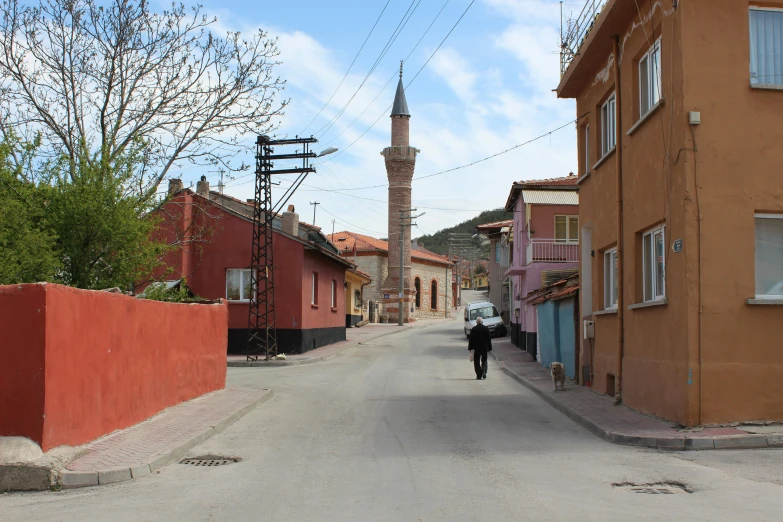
x,y
544,247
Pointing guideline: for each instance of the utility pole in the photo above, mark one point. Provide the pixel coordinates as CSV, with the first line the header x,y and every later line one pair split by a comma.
x,y
262,332
333,231
459,241
315,205
406,220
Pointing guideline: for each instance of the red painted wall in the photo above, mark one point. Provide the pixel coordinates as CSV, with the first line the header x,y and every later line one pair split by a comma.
x,y
23,327
109,360
322,316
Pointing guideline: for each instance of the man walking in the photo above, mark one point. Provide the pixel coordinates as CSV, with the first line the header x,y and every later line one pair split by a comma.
x,y
479,344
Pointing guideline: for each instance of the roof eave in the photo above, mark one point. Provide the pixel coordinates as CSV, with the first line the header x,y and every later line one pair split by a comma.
x,y
596,46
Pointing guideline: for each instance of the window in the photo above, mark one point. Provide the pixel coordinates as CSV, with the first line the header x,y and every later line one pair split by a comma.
x,y
314,290
608,131
610,279
434,296
334,294
485,312
769,256
587,149
766,46
417,284
238,284
653,264
650,79
567,229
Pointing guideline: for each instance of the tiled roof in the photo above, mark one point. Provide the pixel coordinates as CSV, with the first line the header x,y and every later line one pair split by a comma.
x,y
345,241
496,224
245,208
551,182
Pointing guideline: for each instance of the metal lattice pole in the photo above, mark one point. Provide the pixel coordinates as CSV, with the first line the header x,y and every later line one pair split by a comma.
x,y
262,333
262,337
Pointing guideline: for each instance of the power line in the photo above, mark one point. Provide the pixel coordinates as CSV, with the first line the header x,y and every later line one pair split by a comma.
x,y
349,68
389,43
544,135
410,82
346,223
394,74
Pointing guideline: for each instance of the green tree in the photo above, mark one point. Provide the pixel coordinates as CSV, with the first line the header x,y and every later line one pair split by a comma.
x,y
28,250
105,233
480,269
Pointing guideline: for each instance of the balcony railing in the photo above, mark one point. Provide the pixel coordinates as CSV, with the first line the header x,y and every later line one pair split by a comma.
x,y
574,30
552,251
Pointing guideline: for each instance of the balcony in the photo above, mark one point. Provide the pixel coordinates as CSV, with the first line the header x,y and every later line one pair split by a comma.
x,y
575,28
551,251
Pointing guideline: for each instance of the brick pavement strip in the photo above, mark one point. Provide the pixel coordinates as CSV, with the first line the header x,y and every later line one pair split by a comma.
x,y
357,337
137,451
618,424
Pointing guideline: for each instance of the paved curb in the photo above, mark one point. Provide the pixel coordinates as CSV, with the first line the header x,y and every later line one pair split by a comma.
x,y
78,479
750,441
277,364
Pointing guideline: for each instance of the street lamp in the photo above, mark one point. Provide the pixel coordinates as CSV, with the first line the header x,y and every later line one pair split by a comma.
x,y
325,152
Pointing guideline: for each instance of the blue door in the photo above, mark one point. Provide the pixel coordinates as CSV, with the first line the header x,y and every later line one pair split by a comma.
x,y
548,332
567,336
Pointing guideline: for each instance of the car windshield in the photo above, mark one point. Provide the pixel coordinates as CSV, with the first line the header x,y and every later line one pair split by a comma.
x,y
487,311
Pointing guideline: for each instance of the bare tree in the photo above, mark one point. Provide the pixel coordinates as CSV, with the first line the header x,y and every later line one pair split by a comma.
x,y
97,83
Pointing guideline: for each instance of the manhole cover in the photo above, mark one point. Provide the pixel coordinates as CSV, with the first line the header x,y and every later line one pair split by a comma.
x,y
209,461
656,488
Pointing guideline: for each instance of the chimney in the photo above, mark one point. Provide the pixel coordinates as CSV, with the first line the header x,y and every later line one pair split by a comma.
x,y
202,187
290,222
175,185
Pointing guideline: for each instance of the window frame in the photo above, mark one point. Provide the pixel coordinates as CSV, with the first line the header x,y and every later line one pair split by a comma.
x,y
610,103
242,272
314,290
653,296
761,215
334,294
610,277
568,240
753,76
653,81
434,295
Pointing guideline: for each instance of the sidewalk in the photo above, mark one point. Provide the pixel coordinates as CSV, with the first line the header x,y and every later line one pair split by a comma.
x,y
620,424
143,448
354,337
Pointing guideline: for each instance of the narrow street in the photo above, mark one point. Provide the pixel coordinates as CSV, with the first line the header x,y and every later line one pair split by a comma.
x,y
399,429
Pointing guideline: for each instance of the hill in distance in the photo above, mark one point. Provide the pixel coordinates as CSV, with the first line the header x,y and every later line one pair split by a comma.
x,y
439,241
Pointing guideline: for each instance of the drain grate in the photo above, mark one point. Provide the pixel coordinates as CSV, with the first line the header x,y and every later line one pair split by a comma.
x,y
209,461
656,488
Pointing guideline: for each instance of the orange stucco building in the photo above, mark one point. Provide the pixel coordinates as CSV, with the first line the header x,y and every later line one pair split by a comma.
x,y
680,137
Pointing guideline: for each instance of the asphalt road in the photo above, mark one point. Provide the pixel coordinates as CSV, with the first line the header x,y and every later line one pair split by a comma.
x,y
400,430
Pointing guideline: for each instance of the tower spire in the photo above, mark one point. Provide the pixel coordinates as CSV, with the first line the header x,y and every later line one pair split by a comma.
x,y
400,106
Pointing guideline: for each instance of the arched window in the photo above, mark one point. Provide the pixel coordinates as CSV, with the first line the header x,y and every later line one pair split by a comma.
x,y
434,295
417,284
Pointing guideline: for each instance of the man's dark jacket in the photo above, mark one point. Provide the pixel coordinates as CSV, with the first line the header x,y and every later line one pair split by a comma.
x,y
480,340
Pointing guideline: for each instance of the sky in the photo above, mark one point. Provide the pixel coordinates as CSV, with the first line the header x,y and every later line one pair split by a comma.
x,y
488,87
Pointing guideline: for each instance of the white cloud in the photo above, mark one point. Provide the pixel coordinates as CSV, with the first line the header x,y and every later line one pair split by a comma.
x,y
495,105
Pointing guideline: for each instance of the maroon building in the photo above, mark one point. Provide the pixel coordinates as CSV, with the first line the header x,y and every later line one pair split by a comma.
x,y
309,275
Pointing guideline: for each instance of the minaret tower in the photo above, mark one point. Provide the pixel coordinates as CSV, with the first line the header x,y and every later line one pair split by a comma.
x,y
400,162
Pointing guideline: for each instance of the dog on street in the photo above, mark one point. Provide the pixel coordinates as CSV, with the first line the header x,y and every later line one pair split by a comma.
x,y
558,375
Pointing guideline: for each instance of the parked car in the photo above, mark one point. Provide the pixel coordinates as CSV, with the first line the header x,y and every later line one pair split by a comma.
x,y
489,314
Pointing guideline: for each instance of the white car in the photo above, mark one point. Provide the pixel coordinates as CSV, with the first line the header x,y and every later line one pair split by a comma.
x,y
489,314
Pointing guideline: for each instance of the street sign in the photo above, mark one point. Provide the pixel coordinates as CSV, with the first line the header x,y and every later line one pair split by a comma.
x,y
400,296
677,245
